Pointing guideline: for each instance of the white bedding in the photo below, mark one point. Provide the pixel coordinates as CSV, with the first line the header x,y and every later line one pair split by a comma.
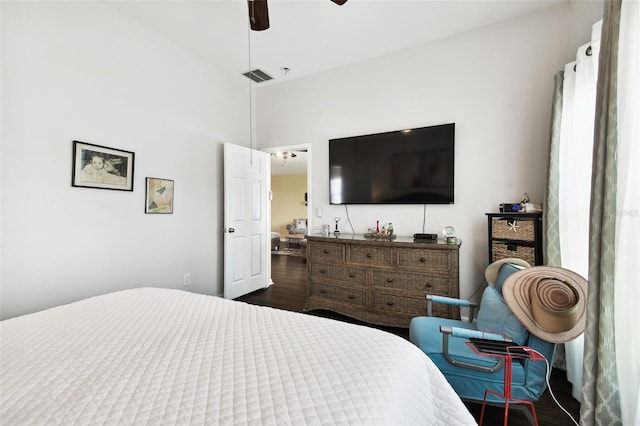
x,y
159,356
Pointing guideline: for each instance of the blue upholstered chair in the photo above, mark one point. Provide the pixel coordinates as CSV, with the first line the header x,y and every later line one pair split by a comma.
x,y
471,374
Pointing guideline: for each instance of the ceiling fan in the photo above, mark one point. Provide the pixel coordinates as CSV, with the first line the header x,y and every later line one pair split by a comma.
x,y
259,13
285,155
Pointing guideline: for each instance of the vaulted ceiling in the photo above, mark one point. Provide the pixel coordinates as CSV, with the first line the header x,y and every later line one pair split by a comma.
x,y
310,36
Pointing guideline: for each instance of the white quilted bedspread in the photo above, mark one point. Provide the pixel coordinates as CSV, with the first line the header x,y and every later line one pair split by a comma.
x,y
158,356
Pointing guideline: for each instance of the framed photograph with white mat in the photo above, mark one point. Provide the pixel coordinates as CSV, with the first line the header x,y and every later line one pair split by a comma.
x,y
96,166
159,196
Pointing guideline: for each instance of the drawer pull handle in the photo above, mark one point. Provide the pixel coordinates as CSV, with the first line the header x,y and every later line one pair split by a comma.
x,y
323,291
323,271
389,280
369,256
389,303
351,296
428,285
351,274
422,259
325,251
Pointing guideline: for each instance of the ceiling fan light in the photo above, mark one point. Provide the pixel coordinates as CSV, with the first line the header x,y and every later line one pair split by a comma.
x,y
339,2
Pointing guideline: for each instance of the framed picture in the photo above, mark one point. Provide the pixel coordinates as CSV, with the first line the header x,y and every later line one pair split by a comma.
x,y
96,166
159,198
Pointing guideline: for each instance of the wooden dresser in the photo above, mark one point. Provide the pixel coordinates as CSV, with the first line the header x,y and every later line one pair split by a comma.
x,y
380,282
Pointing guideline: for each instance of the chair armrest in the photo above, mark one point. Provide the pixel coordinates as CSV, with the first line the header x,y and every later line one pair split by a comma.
x,y
431,298
464,333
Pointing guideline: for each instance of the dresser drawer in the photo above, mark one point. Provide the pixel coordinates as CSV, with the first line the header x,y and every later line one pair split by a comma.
x,y
403,304
339,272
340,294
326,251
412,282
370,255
513,228
409,305
429,259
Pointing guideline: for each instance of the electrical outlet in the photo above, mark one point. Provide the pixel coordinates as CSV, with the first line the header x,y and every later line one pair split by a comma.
x,y
187,280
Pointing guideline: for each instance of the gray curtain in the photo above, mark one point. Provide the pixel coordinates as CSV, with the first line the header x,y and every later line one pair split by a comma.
x,y
551,228
550,215
600,397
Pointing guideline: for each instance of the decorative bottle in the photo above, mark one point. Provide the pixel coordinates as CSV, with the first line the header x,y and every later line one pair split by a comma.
x,y
390,228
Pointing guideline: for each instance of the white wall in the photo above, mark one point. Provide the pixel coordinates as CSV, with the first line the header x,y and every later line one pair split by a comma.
x,y
495,83
81,70
288,201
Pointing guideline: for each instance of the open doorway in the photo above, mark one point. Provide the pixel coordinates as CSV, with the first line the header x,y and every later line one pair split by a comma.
x,y
290,205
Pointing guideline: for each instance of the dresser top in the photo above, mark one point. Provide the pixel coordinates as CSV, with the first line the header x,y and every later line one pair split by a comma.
x,y
405,241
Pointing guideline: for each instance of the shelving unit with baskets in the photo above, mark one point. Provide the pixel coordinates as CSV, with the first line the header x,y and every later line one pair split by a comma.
x,y
515,235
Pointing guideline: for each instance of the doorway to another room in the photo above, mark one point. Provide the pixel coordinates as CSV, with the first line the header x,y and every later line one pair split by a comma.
x,y
290,183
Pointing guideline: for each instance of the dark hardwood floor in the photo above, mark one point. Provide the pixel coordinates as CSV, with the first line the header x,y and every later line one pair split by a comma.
x,y
290,277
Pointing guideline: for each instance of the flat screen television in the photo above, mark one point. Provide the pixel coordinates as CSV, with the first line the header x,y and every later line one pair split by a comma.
x,y
413,166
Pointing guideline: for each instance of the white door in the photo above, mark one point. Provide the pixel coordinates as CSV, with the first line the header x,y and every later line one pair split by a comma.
x,y
246,237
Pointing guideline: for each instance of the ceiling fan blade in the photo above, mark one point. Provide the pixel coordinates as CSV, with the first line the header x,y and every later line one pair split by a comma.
x,y
258,14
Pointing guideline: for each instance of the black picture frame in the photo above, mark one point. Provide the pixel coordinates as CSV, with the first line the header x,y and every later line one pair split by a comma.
x,y
101,167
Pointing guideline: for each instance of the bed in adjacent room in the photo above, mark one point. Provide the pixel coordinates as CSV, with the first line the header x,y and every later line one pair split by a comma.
x,y
161,356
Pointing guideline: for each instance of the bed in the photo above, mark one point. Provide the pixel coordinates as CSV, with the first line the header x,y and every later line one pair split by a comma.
x,y
162,356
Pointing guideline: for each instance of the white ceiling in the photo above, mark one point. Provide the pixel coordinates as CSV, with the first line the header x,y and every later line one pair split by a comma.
x,y
309,36
290,166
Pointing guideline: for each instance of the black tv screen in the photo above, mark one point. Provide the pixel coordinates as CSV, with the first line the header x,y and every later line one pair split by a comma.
x,y
414,166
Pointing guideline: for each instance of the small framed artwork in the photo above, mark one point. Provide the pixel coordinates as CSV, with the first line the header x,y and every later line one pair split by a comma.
x,y
96,166
159,198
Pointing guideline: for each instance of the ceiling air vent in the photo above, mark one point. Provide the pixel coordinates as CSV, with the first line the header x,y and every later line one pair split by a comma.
x,y
258,76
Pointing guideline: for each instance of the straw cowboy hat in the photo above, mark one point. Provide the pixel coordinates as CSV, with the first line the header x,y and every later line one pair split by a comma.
x,y
551,302
491,273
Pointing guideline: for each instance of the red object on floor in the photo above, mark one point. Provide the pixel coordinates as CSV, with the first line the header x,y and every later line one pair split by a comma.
x,y
506,395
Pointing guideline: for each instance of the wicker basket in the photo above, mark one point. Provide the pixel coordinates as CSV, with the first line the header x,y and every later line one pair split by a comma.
x,y
511,228
503,251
